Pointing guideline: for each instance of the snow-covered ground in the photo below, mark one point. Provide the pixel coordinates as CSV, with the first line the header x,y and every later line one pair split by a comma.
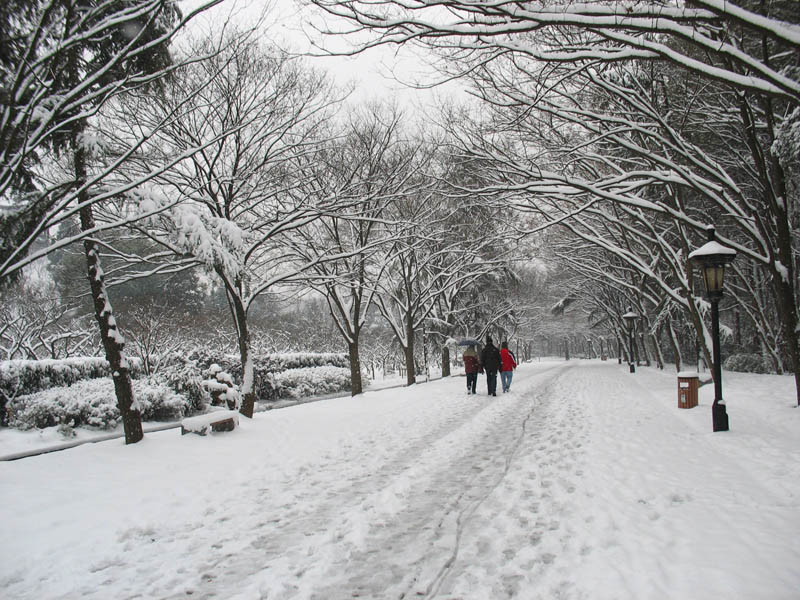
x,y
584,482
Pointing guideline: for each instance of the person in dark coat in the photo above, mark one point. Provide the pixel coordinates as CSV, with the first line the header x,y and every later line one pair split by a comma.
x,y
490,361
508,364
472,365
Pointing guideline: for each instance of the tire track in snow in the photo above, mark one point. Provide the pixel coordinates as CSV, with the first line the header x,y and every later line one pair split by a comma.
x,y
515,541
418,520
316,525
465,513
384,504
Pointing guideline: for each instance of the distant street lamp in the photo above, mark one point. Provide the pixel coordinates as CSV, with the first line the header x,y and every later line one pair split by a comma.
x,y
712,258
629,318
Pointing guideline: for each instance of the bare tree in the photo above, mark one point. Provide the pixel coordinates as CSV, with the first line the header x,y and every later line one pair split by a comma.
x,y
372,165
61,62
259,118
432,258
521,55
154,336
64,60
682,33
35,323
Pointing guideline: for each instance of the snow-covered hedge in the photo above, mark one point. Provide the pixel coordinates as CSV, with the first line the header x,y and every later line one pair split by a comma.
x,y
266,369
746,363
75,392
19,377
270,363
312,381
184,377
93,403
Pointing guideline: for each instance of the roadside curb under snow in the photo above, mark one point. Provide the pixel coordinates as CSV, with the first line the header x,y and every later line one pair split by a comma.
x,y
165,426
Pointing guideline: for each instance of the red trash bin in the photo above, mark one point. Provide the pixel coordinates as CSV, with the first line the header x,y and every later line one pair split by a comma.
x,y
688,382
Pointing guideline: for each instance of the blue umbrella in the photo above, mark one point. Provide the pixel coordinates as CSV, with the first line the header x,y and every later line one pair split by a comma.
x,y
469,343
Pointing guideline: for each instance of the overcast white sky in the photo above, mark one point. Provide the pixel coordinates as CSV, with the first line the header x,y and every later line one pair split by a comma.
x,y
377,73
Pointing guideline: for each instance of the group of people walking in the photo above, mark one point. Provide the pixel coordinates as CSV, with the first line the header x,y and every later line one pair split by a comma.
x,y
491,361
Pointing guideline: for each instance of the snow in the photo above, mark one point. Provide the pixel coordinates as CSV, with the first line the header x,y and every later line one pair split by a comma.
x,y
249,373
91,142
782,271
584,482
202,423
712,248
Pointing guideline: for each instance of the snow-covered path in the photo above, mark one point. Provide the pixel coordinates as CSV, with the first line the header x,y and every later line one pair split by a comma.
x,y
583,482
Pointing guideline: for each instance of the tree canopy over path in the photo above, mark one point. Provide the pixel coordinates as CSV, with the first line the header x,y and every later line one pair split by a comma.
x,y
656,117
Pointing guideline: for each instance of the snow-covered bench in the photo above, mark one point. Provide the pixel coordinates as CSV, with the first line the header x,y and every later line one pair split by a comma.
x,y
219,420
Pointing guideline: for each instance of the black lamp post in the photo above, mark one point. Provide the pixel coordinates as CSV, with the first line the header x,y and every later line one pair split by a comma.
x,y
712,258
629,317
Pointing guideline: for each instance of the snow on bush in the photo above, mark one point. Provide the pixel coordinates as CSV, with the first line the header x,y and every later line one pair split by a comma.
x,y
78,392
746,363
19,377
183,377
271,363
93,403
312,381
266,367
221,387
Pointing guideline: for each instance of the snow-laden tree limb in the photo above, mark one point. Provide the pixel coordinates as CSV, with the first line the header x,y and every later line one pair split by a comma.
x,y
42,107
616,31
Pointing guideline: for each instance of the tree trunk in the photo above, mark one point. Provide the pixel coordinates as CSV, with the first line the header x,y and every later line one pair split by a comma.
x,y
775,195
356,385
676,348
248,374
425,353
445,361
645,350
239,314
411,375
657,351
411,371
113,342
787,310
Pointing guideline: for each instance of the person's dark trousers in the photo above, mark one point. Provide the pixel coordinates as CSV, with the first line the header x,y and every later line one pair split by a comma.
x,y
472,381
491,382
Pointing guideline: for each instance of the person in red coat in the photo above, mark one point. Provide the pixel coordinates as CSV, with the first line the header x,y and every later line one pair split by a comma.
x,y
472,366
507,365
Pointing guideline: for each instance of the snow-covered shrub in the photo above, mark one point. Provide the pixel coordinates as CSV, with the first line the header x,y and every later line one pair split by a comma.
x,y
199,361
67,430
18,377
93,403
185,378
276,363
266,367
312,381
221,387
158,402
746,363
271,363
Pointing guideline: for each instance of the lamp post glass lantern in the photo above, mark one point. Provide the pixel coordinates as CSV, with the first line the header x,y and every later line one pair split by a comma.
x,y
712,258
629,318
